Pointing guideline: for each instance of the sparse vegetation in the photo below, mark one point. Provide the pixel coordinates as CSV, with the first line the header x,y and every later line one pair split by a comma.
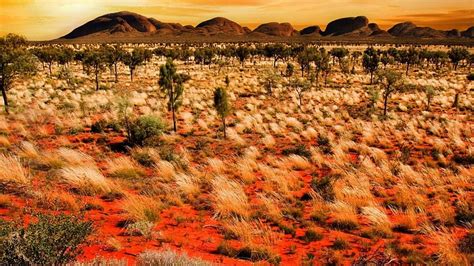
x,y
308,172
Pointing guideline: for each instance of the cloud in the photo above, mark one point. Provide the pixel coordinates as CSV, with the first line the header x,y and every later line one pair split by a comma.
x,y
166,11
225,2
459,19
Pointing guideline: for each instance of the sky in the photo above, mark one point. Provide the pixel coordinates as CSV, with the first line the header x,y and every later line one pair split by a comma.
x,y
50,19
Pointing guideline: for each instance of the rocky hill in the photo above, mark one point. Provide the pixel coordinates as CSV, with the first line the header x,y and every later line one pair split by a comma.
x,y
277,29
130,25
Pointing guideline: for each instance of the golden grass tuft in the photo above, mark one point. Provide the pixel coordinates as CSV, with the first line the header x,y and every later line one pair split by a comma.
x,y
86,179
12,171
230,198
142,209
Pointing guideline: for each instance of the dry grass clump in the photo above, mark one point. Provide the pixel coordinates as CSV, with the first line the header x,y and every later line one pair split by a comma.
x,y
448,252
28,150
168,258
4,142
188,184
296,162
73,157
344,216
86,179
165,170
230,198
280,180
245,169
270,204
142,208
252,233
124,167
379,220
407,221
57,201
12,171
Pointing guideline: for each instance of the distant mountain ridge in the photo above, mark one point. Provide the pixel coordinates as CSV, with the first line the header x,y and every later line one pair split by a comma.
x,y
129,24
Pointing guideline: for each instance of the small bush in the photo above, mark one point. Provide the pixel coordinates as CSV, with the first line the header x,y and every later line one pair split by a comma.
x,y
340,244
324,187
324,144
145,128
300,150
344,225
52,240
464,212
247,253
466,244
464,159
311,236
99,126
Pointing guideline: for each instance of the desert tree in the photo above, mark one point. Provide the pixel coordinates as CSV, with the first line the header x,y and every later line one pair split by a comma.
x,y
409,57
222,106
390,82
148,56
322,62
15,61
340,53
242,53
47,55
185,54
172,83
438,58
204,56
276,51
133,60
457,54
94,61
386,59
114,55
370,61
304,58
65,55
300,86
290,69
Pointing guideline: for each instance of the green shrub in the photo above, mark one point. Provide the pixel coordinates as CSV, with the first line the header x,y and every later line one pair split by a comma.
x,y
52,240
144,128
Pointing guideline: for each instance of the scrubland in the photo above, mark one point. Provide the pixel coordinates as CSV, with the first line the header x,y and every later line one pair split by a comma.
x,y
325,180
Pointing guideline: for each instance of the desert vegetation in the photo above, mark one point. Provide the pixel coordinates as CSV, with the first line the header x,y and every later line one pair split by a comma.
x,y
202,154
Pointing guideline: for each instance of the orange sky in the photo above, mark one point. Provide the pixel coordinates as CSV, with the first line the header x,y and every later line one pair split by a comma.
x,y
49,19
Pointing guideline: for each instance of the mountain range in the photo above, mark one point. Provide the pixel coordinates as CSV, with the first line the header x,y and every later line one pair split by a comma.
x,y
130,25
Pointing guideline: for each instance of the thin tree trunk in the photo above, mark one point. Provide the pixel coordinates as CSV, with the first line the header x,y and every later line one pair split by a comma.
x,y
385,103
116,72
96,80
5,98
456,100
223,121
